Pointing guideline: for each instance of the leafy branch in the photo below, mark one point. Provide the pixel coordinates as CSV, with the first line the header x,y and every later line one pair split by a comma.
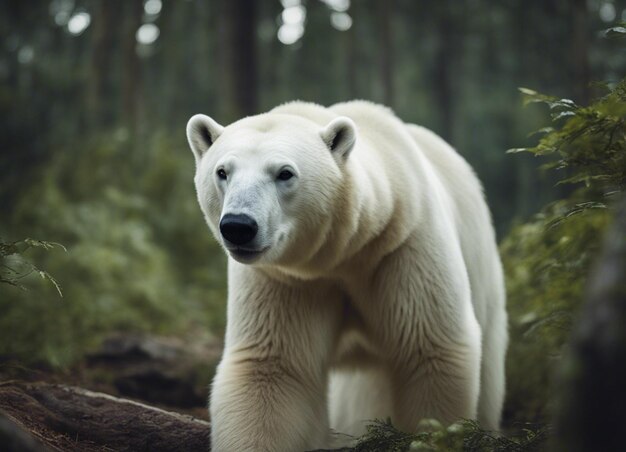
x,y
588,145
617,32
14,267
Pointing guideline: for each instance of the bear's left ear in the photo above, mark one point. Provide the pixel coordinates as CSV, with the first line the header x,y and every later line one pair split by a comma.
x,y
202,132
340,136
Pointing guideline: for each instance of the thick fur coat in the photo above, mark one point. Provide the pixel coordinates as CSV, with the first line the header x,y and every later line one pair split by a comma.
x,y
371,286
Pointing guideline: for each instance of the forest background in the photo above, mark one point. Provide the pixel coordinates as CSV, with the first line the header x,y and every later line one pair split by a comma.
x,y
95,95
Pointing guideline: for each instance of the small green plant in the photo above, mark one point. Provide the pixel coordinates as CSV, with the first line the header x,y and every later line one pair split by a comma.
x,y
14,266
466,436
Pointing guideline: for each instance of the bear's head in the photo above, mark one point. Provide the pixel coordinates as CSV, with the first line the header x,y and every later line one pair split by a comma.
x,y
270,186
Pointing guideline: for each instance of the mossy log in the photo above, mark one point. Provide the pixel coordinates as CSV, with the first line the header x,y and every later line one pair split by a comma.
x,y
42,416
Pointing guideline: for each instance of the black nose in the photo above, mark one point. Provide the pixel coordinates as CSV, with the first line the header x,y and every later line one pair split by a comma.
x,y
238,229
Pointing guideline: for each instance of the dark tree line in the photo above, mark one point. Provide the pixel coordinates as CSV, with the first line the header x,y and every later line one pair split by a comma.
x,y
449,65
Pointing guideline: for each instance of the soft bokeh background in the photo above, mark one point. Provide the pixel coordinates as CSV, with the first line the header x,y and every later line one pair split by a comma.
x,y
95,95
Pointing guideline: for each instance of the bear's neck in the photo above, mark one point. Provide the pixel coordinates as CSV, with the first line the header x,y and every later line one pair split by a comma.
x,y
367,223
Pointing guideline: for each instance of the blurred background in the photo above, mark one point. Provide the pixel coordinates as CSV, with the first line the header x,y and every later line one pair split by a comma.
x,y
94,99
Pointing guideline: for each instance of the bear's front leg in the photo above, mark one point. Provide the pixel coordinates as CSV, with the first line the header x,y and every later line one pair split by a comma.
x,y
442,383
269,392
421,311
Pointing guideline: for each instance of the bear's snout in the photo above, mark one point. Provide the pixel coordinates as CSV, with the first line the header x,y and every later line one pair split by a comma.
x,y
238,229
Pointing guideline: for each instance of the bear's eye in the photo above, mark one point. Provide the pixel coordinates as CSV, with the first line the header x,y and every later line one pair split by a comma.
x,y
221,173
285,175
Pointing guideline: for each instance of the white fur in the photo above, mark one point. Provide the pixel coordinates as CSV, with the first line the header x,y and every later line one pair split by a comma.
x,y
378,292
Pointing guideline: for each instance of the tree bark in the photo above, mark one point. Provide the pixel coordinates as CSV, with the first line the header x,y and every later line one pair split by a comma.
x,y
580,51
131,83
239,55
386,50
591,414
66,418
98,107
352,61
14,438
444,61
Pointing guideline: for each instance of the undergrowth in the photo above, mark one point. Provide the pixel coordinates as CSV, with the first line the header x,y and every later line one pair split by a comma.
x,y
466,436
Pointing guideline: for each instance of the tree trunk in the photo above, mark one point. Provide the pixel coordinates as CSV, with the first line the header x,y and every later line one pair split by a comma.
x,y
591,414
580,51
443,77
98,107
131,82
66,418
240,74
385,8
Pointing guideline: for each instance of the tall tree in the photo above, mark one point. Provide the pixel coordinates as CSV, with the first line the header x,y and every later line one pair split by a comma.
x,y
240,75
98,109
580,51
446,57
386,49
131,81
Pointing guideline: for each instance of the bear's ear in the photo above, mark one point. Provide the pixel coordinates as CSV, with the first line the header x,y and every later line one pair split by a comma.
x,y
202,132
340,136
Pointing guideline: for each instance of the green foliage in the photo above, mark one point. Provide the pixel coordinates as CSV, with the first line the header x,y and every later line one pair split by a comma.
x,y
547,259
546,269
14,267
617,32
139,256
466,436
588,144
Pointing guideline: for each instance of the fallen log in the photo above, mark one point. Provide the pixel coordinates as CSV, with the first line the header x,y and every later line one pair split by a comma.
x,y
162,371
13,438
65,418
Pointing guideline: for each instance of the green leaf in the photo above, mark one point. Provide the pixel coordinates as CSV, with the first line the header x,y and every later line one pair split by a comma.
x,y
527,91
583,178
43,244
12,276
562,114
532,96
574,211
517,150
615,33
562,104
47,276
8,249
543,130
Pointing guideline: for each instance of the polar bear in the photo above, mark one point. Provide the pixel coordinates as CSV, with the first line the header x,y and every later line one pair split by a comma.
x,y
363,276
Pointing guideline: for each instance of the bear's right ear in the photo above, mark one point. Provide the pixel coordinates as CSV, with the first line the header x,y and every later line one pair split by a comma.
x,y
340,136
202,132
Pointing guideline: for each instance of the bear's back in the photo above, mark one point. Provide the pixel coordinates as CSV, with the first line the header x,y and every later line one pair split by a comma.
x,y
471,216
308,110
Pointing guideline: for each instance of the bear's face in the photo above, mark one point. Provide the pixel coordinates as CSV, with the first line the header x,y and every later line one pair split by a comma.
x,y
268,184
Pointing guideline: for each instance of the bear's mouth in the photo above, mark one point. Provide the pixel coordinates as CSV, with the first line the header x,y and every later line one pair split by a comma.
x,y
246,254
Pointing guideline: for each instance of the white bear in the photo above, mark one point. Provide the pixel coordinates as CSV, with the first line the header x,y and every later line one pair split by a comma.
x,y
364,279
